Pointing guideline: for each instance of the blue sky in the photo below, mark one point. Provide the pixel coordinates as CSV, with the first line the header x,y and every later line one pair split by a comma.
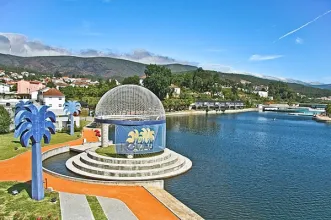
x,y
236,35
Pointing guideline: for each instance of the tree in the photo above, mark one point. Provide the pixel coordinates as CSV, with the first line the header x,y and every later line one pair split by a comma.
x,y
328,109
4,120
33,125
281,90
158,80
50,85
14,88
131,80
71,107
154,69
57,74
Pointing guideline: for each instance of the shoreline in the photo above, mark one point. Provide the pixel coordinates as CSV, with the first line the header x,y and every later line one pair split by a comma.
x,y
321,118
200,112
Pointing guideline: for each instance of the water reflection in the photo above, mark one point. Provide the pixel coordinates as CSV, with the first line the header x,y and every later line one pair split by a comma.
x,y
199,124
250,166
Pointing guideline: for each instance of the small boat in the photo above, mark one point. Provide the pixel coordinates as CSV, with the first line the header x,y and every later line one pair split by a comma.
x,y
295,113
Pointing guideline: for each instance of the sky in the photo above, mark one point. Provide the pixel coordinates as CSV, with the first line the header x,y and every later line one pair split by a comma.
x,y
285,39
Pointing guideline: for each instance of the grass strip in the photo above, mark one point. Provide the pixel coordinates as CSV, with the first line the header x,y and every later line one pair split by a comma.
x,y
96,208
10,146
21,206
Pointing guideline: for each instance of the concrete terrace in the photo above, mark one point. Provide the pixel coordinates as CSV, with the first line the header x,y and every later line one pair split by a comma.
x,y
138,199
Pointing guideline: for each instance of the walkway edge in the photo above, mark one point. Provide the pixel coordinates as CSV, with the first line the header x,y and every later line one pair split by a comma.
x,y
174,205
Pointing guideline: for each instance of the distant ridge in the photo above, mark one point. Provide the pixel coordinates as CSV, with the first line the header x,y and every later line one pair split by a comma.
x,y
101,66
323,86
107,67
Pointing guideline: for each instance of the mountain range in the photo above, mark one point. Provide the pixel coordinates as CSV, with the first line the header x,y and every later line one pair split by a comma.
x,y
101,66
115,68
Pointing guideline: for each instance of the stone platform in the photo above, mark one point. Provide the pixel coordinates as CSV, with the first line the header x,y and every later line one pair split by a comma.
x,y
92,165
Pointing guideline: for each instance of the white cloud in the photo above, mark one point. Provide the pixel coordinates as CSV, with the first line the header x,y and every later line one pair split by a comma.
x,y
20,45
308,23
216,67
257,57
299,40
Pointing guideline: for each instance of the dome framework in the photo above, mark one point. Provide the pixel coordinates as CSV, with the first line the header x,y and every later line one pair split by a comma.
x,y
139,119
129,102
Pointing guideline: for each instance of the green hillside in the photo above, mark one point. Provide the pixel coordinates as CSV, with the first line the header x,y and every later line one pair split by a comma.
x,y
298,88
106,67
100,66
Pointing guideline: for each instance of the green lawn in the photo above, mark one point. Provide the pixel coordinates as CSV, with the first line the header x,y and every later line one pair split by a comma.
x,y
96,208
83,123
106,151
110,151
8,143
21,206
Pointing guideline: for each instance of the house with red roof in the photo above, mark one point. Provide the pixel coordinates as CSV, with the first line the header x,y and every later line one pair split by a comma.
x,y
55,99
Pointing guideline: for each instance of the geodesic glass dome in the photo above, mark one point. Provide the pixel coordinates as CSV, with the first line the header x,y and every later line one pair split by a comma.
x,y
138,116
130,102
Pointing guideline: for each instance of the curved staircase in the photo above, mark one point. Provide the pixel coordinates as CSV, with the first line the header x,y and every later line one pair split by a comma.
x,y
92,165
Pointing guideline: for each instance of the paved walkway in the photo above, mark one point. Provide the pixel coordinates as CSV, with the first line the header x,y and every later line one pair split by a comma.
x,y
138,199
115,209
75,207
177,207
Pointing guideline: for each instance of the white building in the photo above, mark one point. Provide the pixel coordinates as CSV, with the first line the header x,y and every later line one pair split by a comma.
x,y
141,80
175,90
263,94
116,82
34,95
4,88
55,100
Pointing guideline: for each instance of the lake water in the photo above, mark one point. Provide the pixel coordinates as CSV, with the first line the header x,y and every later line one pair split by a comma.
x,y
250,166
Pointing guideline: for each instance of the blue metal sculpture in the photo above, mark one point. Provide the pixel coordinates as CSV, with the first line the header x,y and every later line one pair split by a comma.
x,y
72,107
20,106
33,124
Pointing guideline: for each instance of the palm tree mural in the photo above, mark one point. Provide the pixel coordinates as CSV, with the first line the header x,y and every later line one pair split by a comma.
x,y
149,136
33,124
133,136
70,108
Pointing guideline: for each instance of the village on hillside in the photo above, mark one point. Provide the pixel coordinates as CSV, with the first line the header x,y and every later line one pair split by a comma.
x,y
54,90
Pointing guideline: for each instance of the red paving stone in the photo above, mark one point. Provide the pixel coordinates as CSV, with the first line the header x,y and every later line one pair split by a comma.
x,y
139,200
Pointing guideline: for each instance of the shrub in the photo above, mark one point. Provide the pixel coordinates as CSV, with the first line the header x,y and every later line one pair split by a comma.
x,y
4,120
77,129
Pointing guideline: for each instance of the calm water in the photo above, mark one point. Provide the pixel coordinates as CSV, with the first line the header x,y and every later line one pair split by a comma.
x,y
250,166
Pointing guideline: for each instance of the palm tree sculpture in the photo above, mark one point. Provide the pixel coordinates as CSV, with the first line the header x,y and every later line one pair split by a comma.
x,y
71,107
33,124
20,106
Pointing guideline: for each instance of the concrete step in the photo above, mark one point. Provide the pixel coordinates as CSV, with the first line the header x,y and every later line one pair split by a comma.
x,y
186,166
141,166
164,156
127,173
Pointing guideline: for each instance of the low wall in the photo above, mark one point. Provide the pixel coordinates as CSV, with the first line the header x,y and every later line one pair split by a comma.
x,y
199,112
53,152
151,183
